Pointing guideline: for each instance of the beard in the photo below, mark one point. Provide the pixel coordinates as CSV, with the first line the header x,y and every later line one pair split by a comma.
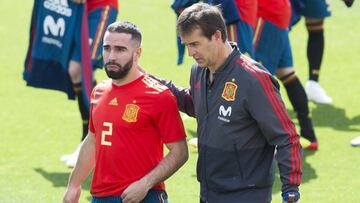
x,y
122,71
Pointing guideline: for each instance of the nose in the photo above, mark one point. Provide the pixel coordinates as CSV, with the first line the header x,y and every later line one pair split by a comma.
x,y
112,55
191,51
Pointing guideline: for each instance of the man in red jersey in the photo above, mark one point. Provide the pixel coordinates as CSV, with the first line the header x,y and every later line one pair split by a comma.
x,y
131,117
101,13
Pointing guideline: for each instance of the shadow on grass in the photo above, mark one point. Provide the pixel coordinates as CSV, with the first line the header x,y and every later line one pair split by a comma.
x,y
61,179
330,116
308,174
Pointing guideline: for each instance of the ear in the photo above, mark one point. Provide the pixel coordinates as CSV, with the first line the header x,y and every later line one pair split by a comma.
x,y
217,35
137,54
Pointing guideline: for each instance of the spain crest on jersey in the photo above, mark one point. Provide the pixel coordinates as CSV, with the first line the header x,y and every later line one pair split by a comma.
x,y
229,91
130,113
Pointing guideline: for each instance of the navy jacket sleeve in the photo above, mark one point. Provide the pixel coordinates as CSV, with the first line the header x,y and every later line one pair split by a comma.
x,y
265,105
183,96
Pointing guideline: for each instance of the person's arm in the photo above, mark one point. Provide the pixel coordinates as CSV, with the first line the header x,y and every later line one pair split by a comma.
x,y
183,96
83,167
177,156
267,108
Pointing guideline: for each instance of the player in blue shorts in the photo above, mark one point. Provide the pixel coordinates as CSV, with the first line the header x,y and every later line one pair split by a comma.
x,y
314,11
273,50
240,32
100,15
241,29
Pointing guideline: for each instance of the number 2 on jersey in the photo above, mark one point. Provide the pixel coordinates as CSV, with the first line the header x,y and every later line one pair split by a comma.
x,y
105,133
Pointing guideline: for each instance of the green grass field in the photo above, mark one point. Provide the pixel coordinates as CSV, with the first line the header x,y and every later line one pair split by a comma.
x,y
38,126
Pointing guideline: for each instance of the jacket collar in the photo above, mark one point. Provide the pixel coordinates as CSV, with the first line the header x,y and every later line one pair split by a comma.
x,y
234,54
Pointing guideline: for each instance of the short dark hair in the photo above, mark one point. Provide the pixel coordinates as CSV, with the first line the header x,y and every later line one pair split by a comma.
x,y
206,17
126,27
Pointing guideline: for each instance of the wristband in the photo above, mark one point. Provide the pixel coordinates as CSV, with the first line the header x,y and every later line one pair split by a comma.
x,y
291,196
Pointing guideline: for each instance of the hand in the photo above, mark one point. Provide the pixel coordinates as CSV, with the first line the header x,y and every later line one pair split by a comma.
x,y
72,195
79,1
135,192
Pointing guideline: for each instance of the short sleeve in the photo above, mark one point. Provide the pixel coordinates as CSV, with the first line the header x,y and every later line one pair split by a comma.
x,y
167,118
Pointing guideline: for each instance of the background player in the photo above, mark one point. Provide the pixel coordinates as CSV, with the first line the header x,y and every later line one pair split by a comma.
x,y
101,13
314,11
273,50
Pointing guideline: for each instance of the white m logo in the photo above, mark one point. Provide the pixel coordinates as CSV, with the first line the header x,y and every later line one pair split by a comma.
x,y
225,112
56,28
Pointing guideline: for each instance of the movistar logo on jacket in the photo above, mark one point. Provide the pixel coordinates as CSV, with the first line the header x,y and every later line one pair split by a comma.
x,y
54,28
224,113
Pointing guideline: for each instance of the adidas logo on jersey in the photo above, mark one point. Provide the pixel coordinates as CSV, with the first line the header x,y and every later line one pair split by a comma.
x,y
113,102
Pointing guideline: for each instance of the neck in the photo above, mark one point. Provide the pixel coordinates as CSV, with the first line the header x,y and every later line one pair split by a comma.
x,y
133,74
223,53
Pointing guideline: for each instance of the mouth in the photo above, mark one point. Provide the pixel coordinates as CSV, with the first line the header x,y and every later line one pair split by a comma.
x,y
112,67
198,60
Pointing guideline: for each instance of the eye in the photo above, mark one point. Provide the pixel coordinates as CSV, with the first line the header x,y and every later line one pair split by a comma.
x,y
119,49
106,48
193,44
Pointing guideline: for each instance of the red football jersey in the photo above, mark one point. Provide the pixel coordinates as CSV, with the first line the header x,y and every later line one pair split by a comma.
x,y
93,4
131,123
275,11
248,11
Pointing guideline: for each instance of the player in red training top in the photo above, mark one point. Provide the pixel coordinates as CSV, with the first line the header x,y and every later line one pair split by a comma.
x,y
131,117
